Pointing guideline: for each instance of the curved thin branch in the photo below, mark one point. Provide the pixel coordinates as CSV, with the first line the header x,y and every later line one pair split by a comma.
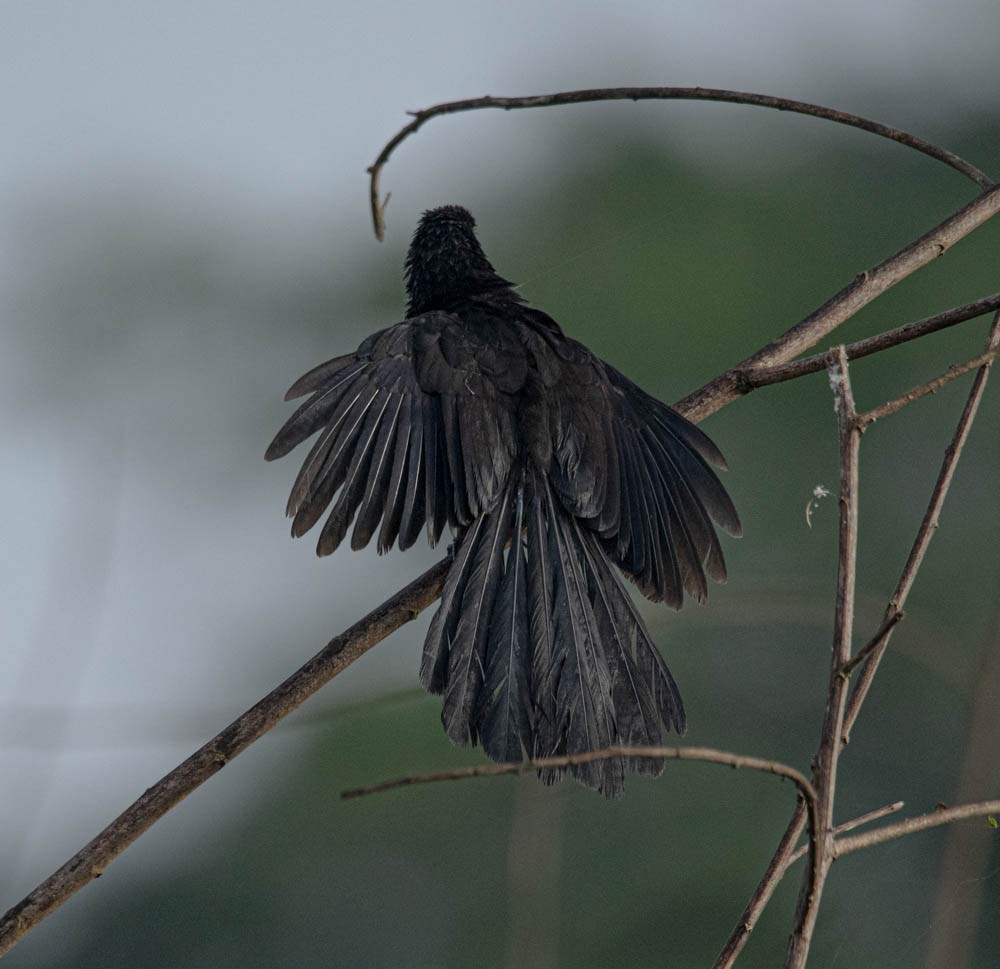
x,y
809,331
704,754
420,118
91,861
807,802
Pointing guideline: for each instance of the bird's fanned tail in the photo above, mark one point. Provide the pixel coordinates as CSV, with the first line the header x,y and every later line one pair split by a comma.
x,y
538,648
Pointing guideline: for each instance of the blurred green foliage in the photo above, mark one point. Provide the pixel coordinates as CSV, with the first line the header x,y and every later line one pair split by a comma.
x,y
673,272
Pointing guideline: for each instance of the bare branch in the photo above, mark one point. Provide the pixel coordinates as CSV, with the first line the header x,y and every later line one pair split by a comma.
x,y
725,388
888,625
806,807
765,889
861,820
851,825
922,822
930,387
765,376
784,858
828,752
703,754
91,861
420,118
933,819
928,526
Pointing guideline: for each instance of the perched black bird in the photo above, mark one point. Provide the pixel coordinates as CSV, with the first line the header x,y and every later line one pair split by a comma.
x,y
551,468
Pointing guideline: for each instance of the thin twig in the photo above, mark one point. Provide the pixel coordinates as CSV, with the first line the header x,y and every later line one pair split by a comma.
x,y
828,751
775,871
851,825
703,754
765,376
91,861
930,387
888,625
861,820
928,526
420,118
932,819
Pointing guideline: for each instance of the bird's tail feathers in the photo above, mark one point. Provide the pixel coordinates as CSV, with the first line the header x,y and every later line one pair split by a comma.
x,y
539,650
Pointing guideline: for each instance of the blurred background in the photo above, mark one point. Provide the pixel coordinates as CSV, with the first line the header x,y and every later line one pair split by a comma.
x,y
184,231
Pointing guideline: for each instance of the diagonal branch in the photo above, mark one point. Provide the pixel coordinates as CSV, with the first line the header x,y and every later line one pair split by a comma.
x,y
845,846
782,859
91,860
881,635
842,306
765,376
930,387
785,856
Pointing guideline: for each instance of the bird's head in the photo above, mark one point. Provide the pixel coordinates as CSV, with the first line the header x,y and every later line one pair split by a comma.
x,y
446,264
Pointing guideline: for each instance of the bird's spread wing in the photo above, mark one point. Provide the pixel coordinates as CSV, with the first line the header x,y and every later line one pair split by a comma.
x,y
414,427
636,472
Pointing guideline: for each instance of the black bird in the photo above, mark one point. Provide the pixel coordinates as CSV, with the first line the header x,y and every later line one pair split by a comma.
x,y
550,467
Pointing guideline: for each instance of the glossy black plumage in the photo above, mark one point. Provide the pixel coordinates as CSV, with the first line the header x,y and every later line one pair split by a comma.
x,y
551,467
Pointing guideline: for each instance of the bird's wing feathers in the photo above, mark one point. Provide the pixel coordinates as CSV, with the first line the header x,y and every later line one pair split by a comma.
x,y
639,475
415,427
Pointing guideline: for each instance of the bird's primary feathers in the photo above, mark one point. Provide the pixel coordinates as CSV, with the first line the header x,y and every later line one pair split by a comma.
x,y
552,469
